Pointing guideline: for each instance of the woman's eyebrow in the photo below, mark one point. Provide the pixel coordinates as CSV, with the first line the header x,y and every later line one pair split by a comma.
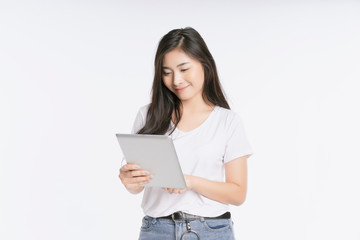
x,y
182,64
177,65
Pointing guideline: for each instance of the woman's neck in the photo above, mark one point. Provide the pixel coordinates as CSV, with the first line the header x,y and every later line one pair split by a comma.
x,y
196,106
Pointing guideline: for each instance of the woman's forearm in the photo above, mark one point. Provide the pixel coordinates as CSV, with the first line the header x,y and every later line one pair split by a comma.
x,y
224,192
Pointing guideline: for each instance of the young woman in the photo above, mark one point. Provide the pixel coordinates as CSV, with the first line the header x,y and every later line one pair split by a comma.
x,y
188,104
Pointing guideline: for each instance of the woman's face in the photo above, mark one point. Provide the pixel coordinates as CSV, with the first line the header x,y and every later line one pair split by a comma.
x,y
183,75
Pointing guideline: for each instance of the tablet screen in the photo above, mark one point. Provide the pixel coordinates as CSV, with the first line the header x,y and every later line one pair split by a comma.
x,y
156,154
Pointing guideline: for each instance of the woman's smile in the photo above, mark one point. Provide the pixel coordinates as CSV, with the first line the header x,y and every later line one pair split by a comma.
x,y
181,89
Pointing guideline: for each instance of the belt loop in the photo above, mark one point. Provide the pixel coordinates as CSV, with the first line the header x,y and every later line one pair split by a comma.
x,y
202,219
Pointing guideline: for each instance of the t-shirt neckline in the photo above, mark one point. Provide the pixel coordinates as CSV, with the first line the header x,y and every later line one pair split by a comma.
x,y
198,127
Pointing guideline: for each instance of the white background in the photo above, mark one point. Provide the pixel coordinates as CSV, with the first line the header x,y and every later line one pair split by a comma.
x,y
73,73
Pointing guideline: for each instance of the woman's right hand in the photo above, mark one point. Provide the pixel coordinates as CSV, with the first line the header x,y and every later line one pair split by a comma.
x,y
134,178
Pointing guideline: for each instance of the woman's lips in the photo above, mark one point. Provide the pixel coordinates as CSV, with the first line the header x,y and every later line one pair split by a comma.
x,y
181,89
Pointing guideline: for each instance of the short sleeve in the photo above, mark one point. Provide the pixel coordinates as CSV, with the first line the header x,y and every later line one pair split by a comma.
x,y
139,119
237,144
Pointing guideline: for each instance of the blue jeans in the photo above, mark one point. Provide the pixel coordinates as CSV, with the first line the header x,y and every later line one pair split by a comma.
x,y
167,229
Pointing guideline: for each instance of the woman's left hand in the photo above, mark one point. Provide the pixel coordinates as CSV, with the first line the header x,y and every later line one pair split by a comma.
x,y
188,181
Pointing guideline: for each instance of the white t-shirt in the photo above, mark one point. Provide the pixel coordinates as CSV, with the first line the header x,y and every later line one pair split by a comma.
x,y
202,152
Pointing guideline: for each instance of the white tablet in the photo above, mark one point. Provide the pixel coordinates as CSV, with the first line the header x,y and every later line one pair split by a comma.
x,y
156,154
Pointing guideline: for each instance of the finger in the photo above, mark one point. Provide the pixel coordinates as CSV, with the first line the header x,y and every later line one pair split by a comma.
x,y
144,183
137,173
129,167
170,190
137,180
175,190
136,184
133,174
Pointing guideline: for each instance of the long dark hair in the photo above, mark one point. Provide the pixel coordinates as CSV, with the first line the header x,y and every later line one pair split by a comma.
x,y
164,102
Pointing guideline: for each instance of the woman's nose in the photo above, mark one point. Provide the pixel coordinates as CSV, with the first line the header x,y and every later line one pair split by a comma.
x,y
177,79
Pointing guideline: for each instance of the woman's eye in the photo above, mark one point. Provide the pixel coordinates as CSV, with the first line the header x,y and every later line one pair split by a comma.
x,y
184,70
166,73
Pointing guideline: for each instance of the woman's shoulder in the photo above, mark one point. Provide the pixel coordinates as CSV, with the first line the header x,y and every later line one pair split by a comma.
x,y
228,118
140,118
230,121
142,113
143,109
227,114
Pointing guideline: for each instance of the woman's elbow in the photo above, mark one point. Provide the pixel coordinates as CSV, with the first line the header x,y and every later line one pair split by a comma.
x,y
238,200
239,197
